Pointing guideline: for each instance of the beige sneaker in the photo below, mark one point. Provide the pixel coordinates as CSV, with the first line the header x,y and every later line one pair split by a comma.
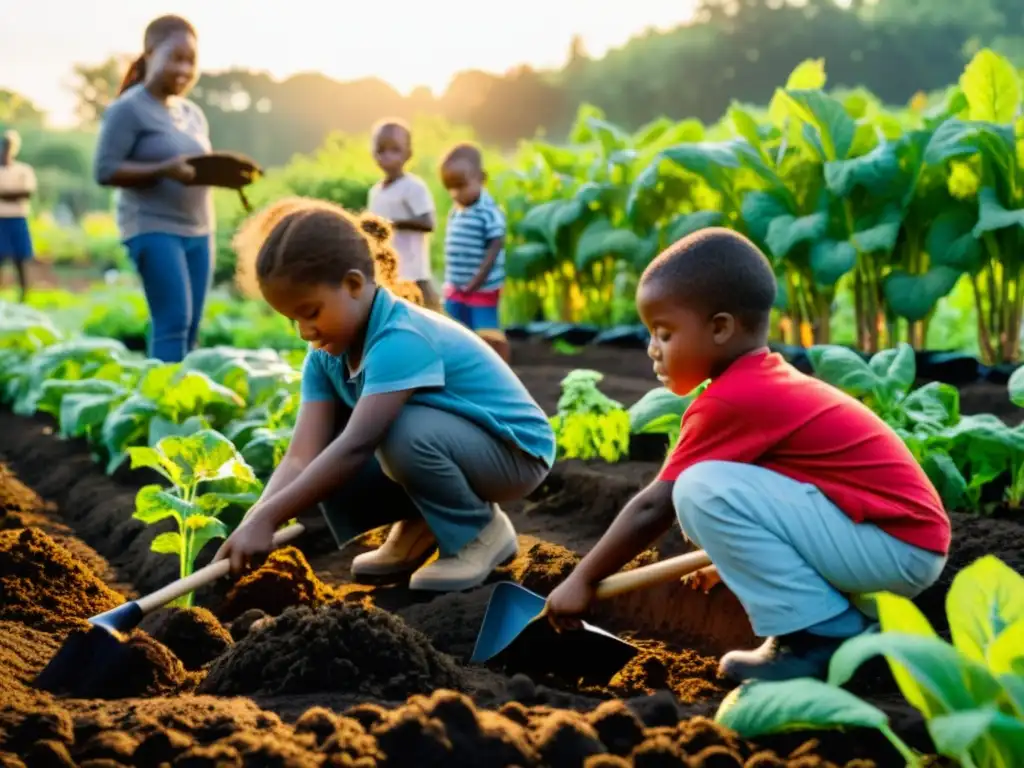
x,y
477,560
407,543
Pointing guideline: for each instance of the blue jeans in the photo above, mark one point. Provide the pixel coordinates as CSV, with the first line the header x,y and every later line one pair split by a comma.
x,y
474,318
793,559
176,273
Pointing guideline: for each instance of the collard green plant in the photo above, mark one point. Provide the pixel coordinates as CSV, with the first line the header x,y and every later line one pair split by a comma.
x,y
589,424
206,475
970,692
661,412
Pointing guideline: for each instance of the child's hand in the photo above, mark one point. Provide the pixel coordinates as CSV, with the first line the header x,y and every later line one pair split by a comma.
x,y
253,537
705,579
568,602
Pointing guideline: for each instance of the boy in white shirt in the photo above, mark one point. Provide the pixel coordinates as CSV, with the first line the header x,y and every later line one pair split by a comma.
x,y
404,199
17,185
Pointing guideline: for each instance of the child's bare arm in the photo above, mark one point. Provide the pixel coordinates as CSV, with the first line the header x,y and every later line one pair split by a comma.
x,y
490,256
340,460
646,517
313,433
422,223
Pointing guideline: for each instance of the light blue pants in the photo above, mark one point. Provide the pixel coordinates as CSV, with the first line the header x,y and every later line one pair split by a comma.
x,y
791,557
176,273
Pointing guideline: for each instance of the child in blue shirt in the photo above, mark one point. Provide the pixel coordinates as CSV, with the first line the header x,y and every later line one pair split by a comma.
x,y
420,396
474,247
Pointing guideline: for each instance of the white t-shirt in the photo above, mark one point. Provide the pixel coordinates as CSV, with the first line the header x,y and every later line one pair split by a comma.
x,y
16,177
406,198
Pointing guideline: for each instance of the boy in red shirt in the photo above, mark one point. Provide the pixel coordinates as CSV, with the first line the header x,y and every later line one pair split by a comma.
x,y
801,496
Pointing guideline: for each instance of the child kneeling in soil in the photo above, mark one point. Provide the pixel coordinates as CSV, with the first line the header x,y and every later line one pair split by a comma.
x,y
803,499
423,400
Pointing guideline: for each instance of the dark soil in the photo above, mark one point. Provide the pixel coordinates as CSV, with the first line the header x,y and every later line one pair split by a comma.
x,y
283,580
330,669
44,587
194,635
340,647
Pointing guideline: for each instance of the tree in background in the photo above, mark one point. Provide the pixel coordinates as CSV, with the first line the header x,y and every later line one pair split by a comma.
x,y
95,87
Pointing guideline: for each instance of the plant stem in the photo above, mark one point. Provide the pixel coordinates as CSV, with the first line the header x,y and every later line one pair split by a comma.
x,y
912,758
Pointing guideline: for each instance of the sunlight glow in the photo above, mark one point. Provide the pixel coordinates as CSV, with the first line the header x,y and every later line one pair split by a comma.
x,y
406,42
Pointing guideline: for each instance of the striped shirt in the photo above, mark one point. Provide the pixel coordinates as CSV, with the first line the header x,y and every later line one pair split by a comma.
x,y
469,231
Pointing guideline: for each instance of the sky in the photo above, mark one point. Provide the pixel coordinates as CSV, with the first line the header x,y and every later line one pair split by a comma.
x,y
405,42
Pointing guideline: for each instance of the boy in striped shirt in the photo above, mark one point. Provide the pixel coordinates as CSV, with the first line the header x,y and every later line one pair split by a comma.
x,y
474,247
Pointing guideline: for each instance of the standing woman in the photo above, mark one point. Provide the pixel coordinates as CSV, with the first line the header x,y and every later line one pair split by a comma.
x,y
17,185
167,226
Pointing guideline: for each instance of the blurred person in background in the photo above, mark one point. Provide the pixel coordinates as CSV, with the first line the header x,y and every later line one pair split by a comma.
x,y
146,138
17,185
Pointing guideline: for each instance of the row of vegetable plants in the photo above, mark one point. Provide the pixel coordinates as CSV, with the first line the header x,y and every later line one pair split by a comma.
x,y
217,424
874,214
214,427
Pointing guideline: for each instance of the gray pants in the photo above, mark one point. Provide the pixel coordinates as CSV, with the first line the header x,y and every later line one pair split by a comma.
x,y
439,466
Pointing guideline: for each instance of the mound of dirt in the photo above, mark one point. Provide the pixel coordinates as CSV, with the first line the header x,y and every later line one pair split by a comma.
x,y
340,647
542,566
284,580
690,676
23,653
20,506
194,635
44,586
144,667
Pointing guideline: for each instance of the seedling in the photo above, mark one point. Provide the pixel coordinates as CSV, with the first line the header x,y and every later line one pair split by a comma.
x,y
206,475
589,424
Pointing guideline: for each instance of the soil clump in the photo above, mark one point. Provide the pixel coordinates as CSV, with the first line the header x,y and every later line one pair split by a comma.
x,y
194,635
282,581
44,586
340,647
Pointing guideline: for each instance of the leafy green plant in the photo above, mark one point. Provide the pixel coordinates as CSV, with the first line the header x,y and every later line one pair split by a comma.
x,y
170,400
970,692
661,412
589,424
206,476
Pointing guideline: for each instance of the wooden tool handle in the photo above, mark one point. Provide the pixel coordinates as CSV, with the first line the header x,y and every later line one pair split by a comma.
x,y
649,575
206,575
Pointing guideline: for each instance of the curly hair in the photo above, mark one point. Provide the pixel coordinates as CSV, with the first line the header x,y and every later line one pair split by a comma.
x,y
312,241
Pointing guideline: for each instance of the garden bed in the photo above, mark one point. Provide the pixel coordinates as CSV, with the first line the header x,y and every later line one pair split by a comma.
x,y
296,665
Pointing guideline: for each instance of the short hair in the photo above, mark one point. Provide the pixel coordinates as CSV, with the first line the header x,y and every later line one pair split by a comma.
x,y
313,241
467,152
391,124
717,270
13,141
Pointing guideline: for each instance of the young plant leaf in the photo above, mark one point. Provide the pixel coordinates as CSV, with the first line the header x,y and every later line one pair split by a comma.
x,y
984,599
999,737
938,680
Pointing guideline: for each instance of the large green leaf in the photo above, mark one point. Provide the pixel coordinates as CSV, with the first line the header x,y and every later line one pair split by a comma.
x,y
986,730
991,86
834,129
759,210
830,260
600,238
985,598
951,242
913,297
843,368
993,216
897,368
786,232
763,708
881,234
940,679
529,261
876,172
